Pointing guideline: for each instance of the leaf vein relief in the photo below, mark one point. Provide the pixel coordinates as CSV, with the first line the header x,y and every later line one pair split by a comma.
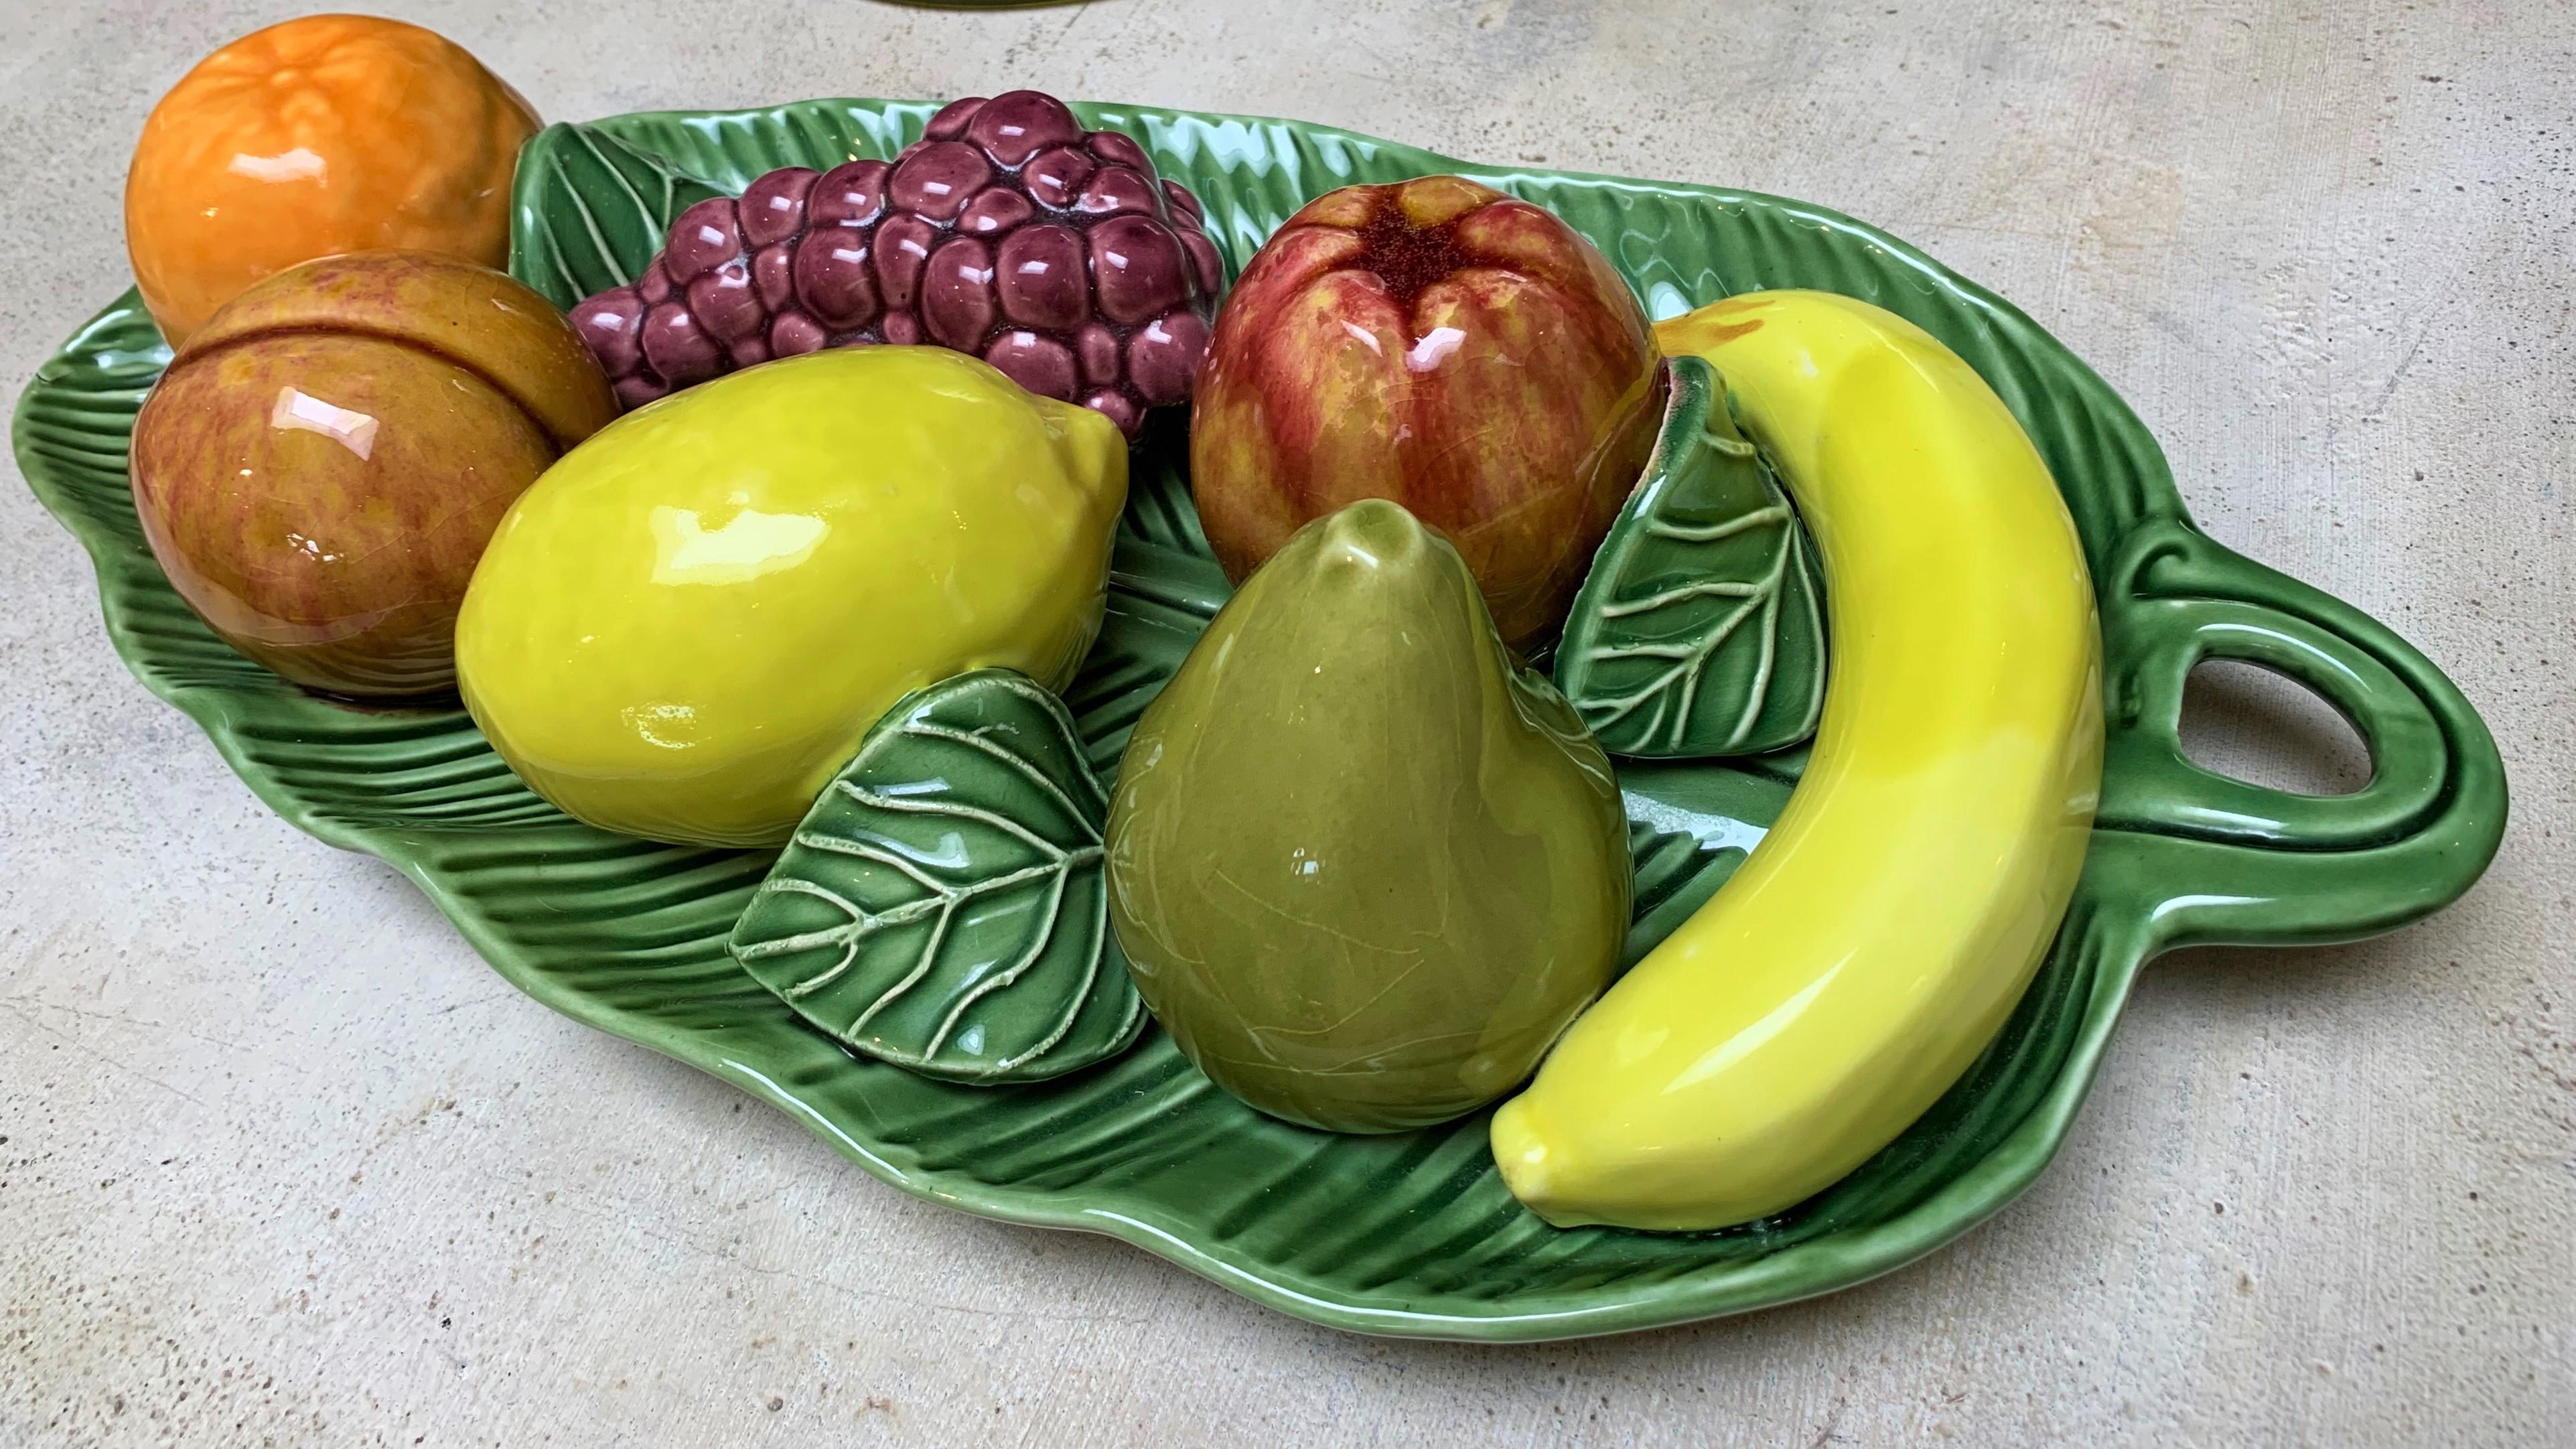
x,y
1657,656
1692,663
1002,994
1715,589
981,742
1711,533
922,963
875,853
895,805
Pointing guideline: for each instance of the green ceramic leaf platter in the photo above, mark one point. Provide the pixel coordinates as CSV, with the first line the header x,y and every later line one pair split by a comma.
x,y
1410,1234
1700,629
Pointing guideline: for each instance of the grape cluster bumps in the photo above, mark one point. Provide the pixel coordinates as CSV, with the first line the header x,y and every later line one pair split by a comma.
x,y
1007,232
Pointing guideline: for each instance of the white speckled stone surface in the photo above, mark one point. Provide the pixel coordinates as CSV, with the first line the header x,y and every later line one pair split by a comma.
x,y
281,1163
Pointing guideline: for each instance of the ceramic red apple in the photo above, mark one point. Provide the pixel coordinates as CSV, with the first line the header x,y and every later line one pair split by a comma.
x,y
1443,345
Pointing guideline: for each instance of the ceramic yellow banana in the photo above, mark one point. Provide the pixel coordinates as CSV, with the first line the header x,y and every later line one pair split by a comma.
x,y
1882,931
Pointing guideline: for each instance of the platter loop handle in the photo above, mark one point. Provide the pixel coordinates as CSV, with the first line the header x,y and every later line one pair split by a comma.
x,y
2221,860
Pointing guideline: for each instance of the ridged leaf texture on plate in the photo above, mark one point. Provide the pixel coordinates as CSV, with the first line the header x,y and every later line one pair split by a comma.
x,y
1411,1234
942,907
1699,629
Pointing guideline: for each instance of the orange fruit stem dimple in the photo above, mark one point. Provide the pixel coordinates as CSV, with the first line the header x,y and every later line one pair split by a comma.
x,y
329,134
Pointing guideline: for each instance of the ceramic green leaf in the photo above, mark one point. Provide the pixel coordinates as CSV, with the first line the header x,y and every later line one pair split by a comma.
x,y
1410,1233
1699,629
942,907
637,194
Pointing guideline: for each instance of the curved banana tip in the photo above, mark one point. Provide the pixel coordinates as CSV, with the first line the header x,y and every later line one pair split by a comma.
x,y
1520,1150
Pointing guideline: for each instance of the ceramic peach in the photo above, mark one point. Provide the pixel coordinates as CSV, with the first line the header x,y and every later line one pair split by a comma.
x,y
329,134
320,468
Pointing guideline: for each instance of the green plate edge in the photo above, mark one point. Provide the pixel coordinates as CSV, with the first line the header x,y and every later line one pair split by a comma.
x,y
2182,856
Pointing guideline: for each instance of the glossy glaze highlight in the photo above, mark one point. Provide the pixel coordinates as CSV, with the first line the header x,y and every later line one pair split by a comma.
x,y
1365,869
686,627
320,468
323,135
1443,345
1882,931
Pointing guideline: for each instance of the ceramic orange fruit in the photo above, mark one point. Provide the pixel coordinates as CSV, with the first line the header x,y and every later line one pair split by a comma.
x,y
329,134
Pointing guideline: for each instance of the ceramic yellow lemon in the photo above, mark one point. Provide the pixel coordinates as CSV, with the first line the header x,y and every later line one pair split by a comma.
x,y
1882,931
685,627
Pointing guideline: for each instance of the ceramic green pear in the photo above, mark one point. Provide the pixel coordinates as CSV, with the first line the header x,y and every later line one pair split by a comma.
x,y
1364,867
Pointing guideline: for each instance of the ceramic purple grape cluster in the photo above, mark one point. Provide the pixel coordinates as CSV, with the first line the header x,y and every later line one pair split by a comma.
x,y
1007,232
